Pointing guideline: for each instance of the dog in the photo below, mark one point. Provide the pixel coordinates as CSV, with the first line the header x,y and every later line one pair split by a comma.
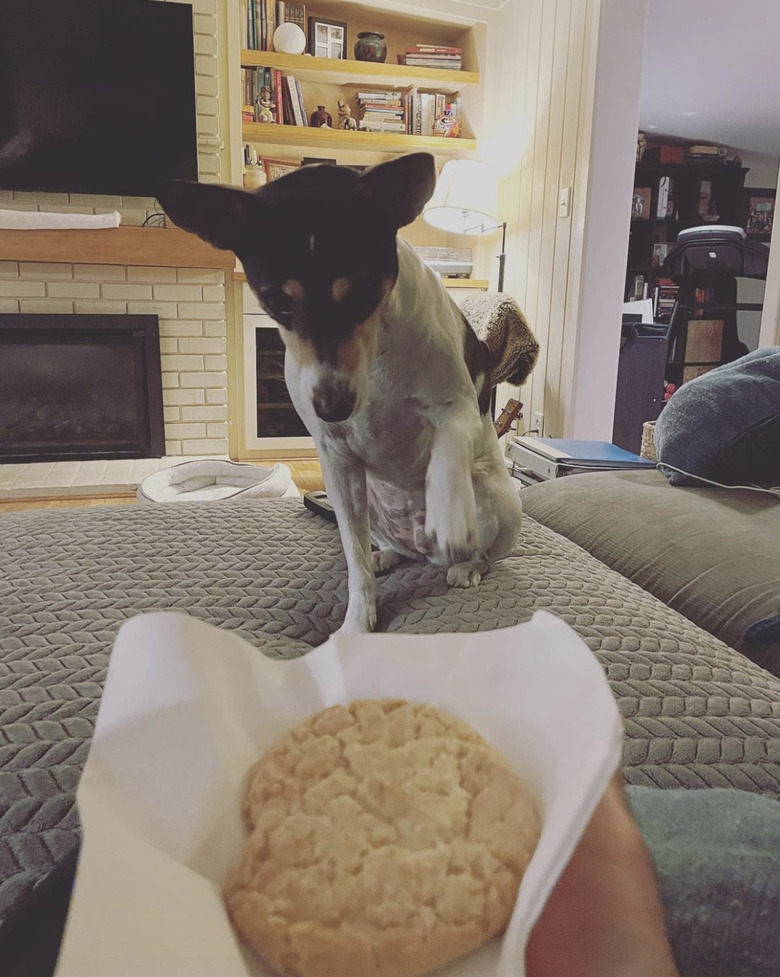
x,y
386,373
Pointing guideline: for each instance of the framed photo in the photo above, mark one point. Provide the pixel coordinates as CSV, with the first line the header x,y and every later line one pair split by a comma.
x,y
640,203
758,211
327,38
274,168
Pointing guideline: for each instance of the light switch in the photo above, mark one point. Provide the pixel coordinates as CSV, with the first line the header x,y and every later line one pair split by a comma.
x,y
564,202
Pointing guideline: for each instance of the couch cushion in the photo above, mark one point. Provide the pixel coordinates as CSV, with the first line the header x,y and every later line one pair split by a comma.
x,y
725,425
712,554
696,713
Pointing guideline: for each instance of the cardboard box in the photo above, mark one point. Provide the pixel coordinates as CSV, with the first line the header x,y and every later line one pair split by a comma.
x,y
665,153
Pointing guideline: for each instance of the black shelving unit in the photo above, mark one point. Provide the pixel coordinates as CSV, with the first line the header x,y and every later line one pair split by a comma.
x,y
702,192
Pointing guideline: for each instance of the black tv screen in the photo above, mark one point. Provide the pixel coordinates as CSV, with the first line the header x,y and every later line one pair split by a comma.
x,y
96,96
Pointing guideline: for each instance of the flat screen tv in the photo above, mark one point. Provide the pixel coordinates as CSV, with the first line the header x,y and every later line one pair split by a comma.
x,y
96,96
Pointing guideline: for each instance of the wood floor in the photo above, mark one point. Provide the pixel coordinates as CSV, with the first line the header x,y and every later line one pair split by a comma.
x,y
307,476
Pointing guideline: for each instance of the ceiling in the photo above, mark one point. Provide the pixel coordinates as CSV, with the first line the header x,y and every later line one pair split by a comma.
x,y
712,72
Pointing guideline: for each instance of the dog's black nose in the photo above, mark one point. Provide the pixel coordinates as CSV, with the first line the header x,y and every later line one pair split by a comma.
x,y
333,408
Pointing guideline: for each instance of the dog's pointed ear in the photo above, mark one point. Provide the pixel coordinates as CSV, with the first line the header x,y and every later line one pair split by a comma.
x,y
400,187
219,215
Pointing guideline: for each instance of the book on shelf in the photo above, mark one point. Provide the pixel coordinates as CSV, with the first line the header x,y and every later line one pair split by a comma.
x,y
260,23
295,13
301,102
665,206
432,56
699,149
664,298
295,103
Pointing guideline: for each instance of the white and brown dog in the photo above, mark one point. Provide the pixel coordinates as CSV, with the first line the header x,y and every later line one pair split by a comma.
x,y
389,378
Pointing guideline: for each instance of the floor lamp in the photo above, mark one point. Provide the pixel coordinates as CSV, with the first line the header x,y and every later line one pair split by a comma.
x,y
465,201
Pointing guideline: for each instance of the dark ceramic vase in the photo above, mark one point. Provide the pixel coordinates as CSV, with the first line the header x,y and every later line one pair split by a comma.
x,y
370,46
321,118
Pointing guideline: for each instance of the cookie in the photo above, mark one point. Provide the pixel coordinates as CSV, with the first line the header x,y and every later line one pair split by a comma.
x,y
386,838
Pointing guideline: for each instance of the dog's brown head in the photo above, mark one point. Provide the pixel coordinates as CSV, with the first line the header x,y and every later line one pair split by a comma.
x,y
319,251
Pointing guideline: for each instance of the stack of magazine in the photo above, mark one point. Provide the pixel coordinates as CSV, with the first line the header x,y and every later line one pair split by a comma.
x,y
538,459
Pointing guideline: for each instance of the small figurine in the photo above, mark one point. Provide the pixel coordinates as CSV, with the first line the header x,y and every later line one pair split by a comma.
x,y
264,107
345,117
641,146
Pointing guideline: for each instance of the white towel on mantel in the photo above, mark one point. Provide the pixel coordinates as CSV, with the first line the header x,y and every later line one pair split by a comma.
x,y
28,220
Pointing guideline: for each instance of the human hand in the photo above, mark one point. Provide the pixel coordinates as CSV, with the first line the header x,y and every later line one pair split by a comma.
x,y
604,917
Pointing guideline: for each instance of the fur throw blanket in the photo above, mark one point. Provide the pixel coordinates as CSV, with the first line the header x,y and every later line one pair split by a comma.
x,y
497,320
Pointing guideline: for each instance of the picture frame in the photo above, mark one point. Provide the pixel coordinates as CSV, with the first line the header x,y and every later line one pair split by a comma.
x,y
758,211
327,38
274,167
640,203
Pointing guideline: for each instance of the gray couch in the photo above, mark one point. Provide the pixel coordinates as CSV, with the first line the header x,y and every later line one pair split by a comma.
x,y
697,712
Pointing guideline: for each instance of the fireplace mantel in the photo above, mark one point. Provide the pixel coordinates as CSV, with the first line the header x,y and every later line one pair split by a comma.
x,y
166,247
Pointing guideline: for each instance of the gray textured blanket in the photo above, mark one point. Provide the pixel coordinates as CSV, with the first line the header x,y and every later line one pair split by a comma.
x,y
696,713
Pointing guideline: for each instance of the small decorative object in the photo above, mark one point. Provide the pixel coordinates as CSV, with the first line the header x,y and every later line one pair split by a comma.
x,y
370,46
447,125
321,119
264,108
274,168
345,117
758,211
640,205
641,146
289,39
254,177
327,38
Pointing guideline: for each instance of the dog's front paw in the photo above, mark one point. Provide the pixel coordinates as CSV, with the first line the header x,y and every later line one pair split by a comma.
x,y
358,623
361,614
466,574
451,527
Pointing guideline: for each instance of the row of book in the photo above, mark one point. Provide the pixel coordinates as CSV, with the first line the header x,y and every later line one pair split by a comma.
x,y
262,17
411,112
270,96
664,297
432,56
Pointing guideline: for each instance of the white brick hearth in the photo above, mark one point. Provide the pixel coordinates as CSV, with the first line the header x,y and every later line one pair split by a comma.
x,y
76,479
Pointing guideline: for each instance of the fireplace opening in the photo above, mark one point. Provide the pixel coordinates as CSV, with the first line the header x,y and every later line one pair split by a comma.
x,y
80,387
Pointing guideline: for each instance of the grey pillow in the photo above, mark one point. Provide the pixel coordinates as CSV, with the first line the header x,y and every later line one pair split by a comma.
x,y
725,425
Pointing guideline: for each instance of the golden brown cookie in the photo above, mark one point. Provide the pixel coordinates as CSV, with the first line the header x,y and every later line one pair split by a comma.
x,y
386,838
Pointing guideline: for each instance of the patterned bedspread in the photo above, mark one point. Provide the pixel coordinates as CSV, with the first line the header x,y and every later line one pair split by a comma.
x,y
696,713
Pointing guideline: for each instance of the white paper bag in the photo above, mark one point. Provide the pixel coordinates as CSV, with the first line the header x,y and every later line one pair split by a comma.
x,y
187,708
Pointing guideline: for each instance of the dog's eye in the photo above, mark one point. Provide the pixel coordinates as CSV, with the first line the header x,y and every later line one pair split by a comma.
x,y
278,305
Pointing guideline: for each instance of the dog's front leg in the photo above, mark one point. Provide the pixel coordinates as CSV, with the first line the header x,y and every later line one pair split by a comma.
x,y
450,505
345,481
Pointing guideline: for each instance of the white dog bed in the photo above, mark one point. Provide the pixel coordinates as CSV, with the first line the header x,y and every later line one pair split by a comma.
x,y
212,479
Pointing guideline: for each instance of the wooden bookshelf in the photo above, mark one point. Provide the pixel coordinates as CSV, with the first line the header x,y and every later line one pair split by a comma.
x,y
268,133
152,246
329,71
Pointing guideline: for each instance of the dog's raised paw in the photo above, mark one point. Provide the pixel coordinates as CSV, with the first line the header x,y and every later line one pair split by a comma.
x,y
465,574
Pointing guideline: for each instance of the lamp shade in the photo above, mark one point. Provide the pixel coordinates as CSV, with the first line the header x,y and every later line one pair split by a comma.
x,y
465,200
